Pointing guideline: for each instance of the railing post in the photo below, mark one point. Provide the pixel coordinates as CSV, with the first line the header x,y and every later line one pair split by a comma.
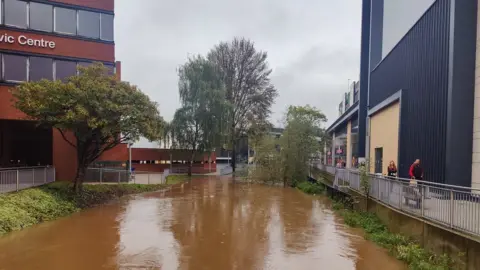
x,y
400,202
452,202
18,178
119,176
149,178
45,175
33,176
424,190
101,175
378,188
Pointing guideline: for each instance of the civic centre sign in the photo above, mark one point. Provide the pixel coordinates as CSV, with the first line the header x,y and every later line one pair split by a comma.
x,y
26,41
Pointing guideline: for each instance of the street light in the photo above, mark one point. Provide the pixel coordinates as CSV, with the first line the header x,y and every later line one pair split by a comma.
x,y
129,143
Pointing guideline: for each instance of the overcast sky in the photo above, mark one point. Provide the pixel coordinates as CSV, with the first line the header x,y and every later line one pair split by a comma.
x,y
313,45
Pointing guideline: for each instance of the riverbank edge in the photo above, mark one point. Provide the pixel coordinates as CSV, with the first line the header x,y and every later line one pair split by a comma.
x,y
32,206
399,246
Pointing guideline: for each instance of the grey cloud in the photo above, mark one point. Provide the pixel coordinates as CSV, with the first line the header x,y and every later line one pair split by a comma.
x,y
313,45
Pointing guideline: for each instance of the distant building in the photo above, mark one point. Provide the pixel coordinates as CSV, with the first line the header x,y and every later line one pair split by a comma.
x,y
417,91
48,40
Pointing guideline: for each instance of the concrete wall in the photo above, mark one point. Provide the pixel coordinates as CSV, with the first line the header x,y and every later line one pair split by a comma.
x,y
462,248
476,116
384,133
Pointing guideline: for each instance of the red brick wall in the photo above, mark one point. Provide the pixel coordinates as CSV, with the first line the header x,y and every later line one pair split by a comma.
x,y
118,153
100,4
64,157
7,111
63,46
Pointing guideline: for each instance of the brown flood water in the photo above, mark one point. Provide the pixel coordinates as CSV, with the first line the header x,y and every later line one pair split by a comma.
x,y
207,224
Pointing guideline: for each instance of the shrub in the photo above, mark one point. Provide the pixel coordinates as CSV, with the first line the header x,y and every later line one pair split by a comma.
x,y
31,206
404,249
310,188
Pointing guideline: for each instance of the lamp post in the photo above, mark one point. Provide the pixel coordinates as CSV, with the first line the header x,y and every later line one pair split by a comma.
x,y
129,159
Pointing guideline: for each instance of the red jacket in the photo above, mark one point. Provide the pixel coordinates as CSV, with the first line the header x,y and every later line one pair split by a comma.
x,y
415,171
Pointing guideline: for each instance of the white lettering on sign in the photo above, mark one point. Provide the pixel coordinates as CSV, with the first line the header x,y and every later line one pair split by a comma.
x,y
26,41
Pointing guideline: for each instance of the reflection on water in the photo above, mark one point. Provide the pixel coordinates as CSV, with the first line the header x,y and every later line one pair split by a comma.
x,y
207,224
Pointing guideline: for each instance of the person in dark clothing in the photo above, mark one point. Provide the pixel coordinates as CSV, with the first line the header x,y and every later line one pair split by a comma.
x,y
392,169
416,171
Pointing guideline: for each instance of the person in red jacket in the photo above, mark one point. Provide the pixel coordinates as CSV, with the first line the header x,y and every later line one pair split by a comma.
x,y
416,171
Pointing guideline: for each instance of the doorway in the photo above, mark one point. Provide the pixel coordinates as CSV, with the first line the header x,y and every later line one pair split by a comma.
x,y
378,159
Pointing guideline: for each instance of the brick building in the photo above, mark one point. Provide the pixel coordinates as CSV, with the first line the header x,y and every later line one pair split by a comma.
x,y
47,39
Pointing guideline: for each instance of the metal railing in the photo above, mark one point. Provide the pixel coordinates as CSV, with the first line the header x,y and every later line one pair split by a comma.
x,y
15,179
454,207
112,175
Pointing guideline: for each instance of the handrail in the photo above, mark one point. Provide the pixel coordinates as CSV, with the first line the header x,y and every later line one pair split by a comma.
x,y
23,168
408,180
451,206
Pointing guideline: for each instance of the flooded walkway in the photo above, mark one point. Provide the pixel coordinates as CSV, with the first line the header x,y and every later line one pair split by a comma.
x,y
207,224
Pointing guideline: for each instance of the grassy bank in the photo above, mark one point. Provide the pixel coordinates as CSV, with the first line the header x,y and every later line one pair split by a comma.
x,y
311,188
399,246
32,206
180,178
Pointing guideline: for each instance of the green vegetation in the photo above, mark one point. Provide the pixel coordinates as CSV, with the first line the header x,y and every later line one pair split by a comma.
x,y
180,178
196,125
31,206
93,111
288,159
401,247
311,188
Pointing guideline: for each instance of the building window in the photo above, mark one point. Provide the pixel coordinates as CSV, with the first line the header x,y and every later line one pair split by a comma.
x,y
41,17
106,27
88,24
65,69
111,69
65,20
14,68
40,68
16,13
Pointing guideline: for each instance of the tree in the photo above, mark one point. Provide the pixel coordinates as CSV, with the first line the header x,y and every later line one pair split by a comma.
x,y
99,110
288,159
196,125
245,74
300,142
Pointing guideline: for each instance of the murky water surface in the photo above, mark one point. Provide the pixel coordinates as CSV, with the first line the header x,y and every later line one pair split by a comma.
x,y
207,224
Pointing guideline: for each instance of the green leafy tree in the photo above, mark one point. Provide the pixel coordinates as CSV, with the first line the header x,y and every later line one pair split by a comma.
x,y
99,110
289,158
245,73
196,125
300,142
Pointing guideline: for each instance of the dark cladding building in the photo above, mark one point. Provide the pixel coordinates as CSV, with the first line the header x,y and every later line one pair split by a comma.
x,y
42,39
418,88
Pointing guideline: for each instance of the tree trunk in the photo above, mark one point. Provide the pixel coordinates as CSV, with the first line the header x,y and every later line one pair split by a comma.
x,y
234,153
191,163
234,148
80,177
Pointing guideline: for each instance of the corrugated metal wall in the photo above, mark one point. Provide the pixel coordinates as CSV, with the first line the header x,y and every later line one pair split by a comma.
x,y
419,66
364,77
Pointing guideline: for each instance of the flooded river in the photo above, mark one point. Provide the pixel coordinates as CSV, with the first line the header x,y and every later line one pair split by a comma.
x,y
207,224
